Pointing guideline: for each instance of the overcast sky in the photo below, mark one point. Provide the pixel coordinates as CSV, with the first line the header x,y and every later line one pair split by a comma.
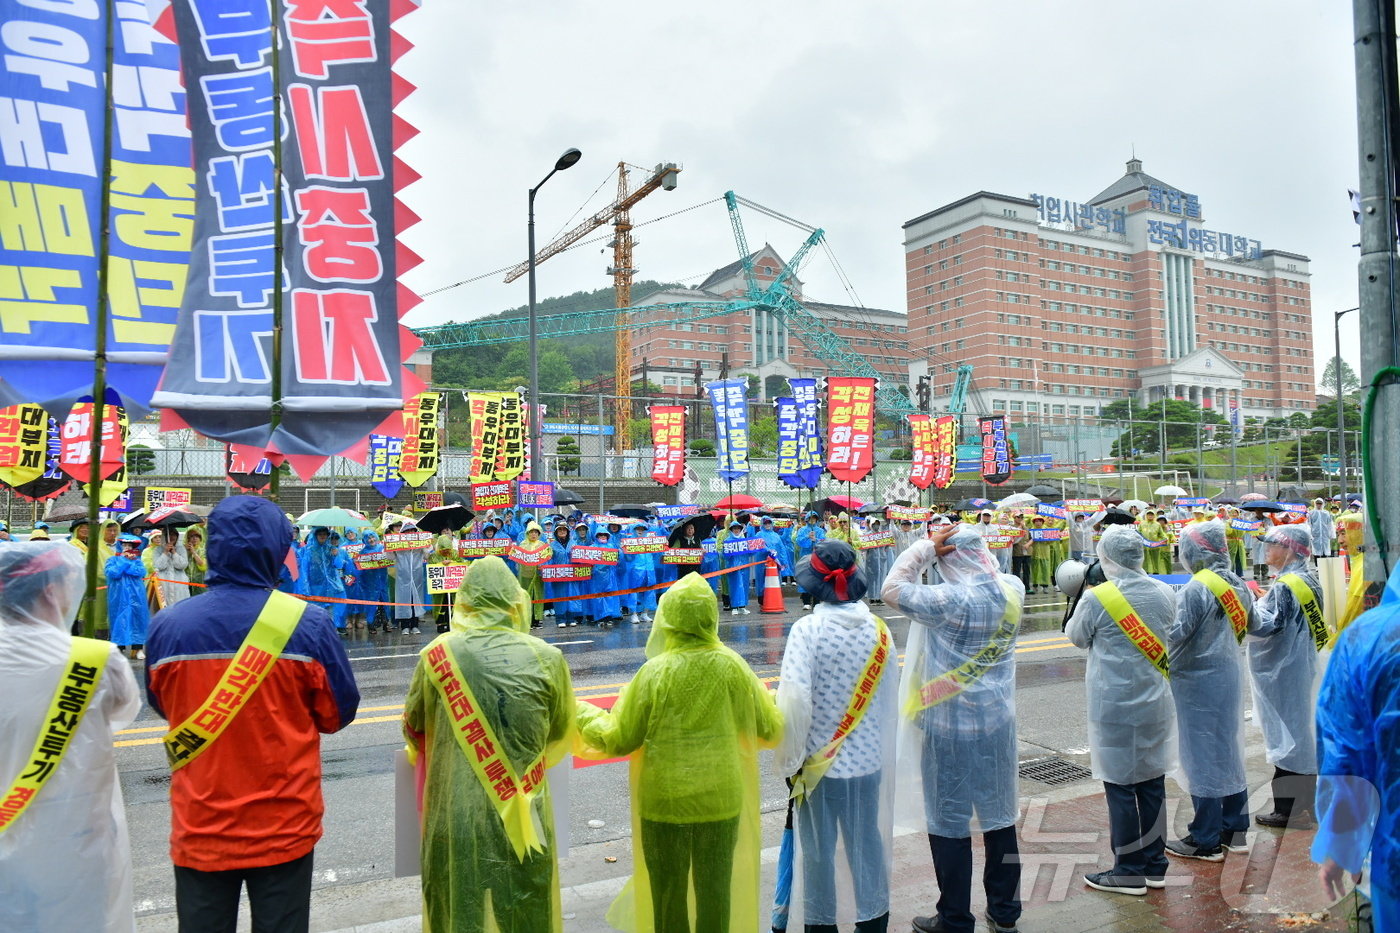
x,y
856,116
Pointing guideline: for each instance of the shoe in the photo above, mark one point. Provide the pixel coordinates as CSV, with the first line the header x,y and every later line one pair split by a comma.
x,y
929,925
1116,884
344,633
745,611
1160,881
1235,842
417,631
632,619
734,612
996,927
1274,820
1186,847
561,624
141,654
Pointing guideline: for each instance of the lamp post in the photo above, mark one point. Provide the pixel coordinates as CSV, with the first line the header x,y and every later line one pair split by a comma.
x,y
1341,407
567,160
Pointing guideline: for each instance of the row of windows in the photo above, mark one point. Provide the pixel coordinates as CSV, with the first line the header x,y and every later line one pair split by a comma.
x,y
1235,293
1090,310
1237,329
1095,251
1096,271
1011,255
1071,288
1240,312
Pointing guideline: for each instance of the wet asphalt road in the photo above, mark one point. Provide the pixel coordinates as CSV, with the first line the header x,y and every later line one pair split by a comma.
x,y
358,761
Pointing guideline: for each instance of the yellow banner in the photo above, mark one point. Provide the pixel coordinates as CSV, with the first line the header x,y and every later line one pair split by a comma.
x,y
1229,601
1312,609
419,461
816,766
24,436
1122,613
87,658
512,797
245,673
951,683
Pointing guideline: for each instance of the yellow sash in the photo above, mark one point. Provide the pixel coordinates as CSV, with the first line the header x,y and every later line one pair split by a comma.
x,y
1312,609
247,670
1229,601
951,683
513,797
87,658
1127,619
816,766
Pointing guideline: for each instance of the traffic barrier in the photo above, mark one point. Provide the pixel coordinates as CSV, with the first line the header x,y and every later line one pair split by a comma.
x,y
772,590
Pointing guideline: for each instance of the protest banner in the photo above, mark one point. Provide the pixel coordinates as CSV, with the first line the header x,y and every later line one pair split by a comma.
x,y
1084,506
468,548
996,452
668,443
423,501
647,544
596,556
670,512
907,513
446,578
166,497
869,541
374,561
408,540
1047,534
495,495
731,547
850,425
534,495
565,573
1055,511
683,555
521,556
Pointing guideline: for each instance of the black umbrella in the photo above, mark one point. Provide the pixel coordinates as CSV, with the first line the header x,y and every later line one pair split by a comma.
x,y
969,505
630,510
872,508
456,498
444,517
73,513
1117,517
160,518
704,524
1226,500
1262,505
564,496
1044,491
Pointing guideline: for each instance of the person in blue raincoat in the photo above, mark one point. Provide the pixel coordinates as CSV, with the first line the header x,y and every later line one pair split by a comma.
x,y
641,573
738,581
373,585
774,539
567,611
128,611
711,561
323,573
604,609
806,540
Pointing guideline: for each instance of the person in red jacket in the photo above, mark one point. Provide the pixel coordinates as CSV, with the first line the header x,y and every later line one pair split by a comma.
x,y
246,803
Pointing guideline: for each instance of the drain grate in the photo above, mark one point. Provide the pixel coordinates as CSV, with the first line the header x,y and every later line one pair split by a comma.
x,y
1054,771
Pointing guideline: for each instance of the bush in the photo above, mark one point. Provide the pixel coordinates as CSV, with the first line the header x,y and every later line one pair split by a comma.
x,y
702,447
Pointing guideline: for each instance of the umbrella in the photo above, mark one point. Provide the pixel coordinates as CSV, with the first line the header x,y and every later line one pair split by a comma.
x,y
456,498
739,502
335,518
564,496
1134,502
1170,491
1226,500
1112,500
1117,517
172,517
1043,491
704,524
445,517
1260,505
1253,497
1018,499
872,508
837,504
73,514
972,505
630,510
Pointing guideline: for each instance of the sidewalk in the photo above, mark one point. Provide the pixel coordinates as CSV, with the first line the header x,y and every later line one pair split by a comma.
x,y
1063,833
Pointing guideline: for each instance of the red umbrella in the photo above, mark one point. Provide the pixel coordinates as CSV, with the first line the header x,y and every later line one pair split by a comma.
x,y
846,502
739,502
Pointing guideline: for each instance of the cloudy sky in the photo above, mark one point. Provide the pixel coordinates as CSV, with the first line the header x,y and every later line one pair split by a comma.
x,y
858,115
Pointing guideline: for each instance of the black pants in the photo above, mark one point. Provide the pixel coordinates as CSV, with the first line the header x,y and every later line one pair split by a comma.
x,y
676,855
279,896
1137,827
1293,792
1001,878
1021,568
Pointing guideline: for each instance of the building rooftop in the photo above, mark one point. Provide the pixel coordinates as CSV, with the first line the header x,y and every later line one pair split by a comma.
x,y
1134,180
1009,198
737,266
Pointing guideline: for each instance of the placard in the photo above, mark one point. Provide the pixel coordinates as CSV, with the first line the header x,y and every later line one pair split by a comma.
x,y
1244,524
1086,506
996,465
647,544
1000,541
565,573
602,521
521,556
167,497
683,555
468,548
782,523
497,495
1047,534
733,546
597,556
534,495
375,561
879,539
408,540
446,578
1054,511
669,512
423,501
1191,503
352,548
668,443
850,426
907,513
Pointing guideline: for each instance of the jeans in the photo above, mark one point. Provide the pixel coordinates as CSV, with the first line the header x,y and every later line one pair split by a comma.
x,y
852,806
1217,816
1001,878
279,897
678,854
1021,567
1137,826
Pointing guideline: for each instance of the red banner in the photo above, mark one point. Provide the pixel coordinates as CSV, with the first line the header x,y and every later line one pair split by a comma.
x,y
921,451
668,443
850,424
492,496
945,450
75,458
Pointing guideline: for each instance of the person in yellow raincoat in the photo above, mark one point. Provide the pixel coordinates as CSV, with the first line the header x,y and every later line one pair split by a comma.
x,y
1157,559
693,719
529,573
490,707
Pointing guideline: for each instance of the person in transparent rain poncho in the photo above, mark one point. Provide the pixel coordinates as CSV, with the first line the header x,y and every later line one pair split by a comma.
x,y
65,863
956,750
1213,613
839,661
1284,671
1131,734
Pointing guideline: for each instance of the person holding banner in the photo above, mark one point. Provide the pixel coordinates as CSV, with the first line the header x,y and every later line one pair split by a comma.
x,y
639,571
245,788
323,573
1214,612
877,560
837,696
603,610
198,564
527,557
737,584
170,561
411,600
1284,670
1042,563
956,748
568,611
65,860
693,720
372,584
1322,526
128,609
489,709
1124,624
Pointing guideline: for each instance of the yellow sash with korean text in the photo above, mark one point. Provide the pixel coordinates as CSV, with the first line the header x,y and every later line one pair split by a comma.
x,y
817,764
250,666
1229,600
1312,609
1126,618
951,683
87,658
513,797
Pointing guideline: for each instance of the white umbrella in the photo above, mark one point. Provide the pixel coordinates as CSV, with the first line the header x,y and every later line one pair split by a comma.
x,y
1134,502
1017,500
1170,491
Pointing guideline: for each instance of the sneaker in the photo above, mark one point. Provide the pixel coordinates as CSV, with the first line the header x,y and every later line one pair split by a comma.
x,y
1186,847
1116,884
745,611
734,612
1235,842
996,927
1278,820
632,619
416,630
561,624
929,925
1157,881
141,655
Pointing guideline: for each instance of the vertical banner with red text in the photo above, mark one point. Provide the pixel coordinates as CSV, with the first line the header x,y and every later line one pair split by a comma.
x,y
419,460
921,451
484,418
850,427
945,450
996,449
510,446
667,443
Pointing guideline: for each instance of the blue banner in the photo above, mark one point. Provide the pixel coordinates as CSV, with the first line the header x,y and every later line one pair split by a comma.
x,y
51,148
384,454
789,457
809,439
728,397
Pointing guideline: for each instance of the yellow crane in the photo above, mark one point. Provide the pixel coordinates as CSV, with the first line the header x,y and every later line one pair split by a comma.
x,y
619,215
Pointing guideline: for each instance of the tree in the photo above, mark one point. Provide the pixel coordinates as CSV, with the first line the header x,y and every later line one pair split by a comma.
x,y
702,447
568,451
1174,417
140,459
1329,378
754,384
763,436
639,432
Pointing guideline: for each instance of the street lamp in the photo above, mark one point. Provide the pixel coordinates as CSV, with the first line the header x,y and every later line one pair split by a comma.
x,y
1341,408
567,160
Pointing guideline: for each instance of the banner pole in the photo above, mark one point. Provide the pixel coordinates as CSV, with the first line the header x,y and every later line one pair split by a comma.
x,y
275,419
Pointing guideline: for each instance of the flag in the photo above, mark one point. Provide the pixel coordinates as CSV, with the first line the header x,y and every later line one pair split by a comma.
x,y
485,411
945,450
510,449
249,470
728,398
921,451
809,438
850,426
419,460
52,481
385,452
80,433
996,453
667,443
789,444
24,440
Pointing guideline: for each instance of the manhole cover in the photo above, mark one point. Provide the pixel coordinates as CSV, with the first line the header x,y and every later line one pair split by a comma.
x,y
1054,771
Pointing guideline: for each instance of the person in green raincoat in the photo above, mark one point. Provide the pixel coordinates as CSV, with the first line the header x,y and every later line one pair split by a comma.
x,y
1042,559
1152,532
529,573
490,707
693,719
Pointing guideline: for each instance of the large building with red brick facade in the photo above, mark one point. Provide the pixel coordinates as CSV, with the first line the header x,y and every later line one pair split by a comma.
x,y
1063,306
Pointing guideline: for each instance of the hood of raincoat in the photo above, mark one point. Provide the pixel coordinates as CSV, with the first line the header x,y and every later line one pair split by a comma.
x,y
41,583
1298,540
686,617
969,560
1120,552
1203,547
839,560
490,596
247,542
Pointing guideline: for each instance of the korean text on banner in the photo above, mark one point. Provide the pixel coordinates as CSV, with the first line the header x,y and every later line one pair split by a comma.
x,y
342,365
1083,506
446,578
945,450
728,397
54,481
385,452
24,439
668,443
484,418
245,472
789,443
922,459
534,495
167,497
510,446
423,501
419,461
55,100
492,496
996,450
809,438
75,457
850,426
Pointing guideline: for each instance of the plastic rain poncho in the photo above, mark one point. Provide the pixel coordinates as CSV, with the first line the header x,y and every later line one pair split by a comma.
x,y
1358,792
1131,723
826,653
693,720
128,610
371,585
957,759
411,597
472,878
1283,662
1323,529
65,863
1207,667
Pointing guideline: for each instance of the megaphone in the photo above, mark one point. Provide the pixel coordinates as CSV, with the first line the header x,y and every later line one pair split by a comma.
x,y
1072,578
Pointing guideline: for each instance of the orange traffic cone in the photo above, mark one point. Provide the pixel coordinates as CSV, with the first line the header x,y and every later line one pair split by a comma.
x,y
772,590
